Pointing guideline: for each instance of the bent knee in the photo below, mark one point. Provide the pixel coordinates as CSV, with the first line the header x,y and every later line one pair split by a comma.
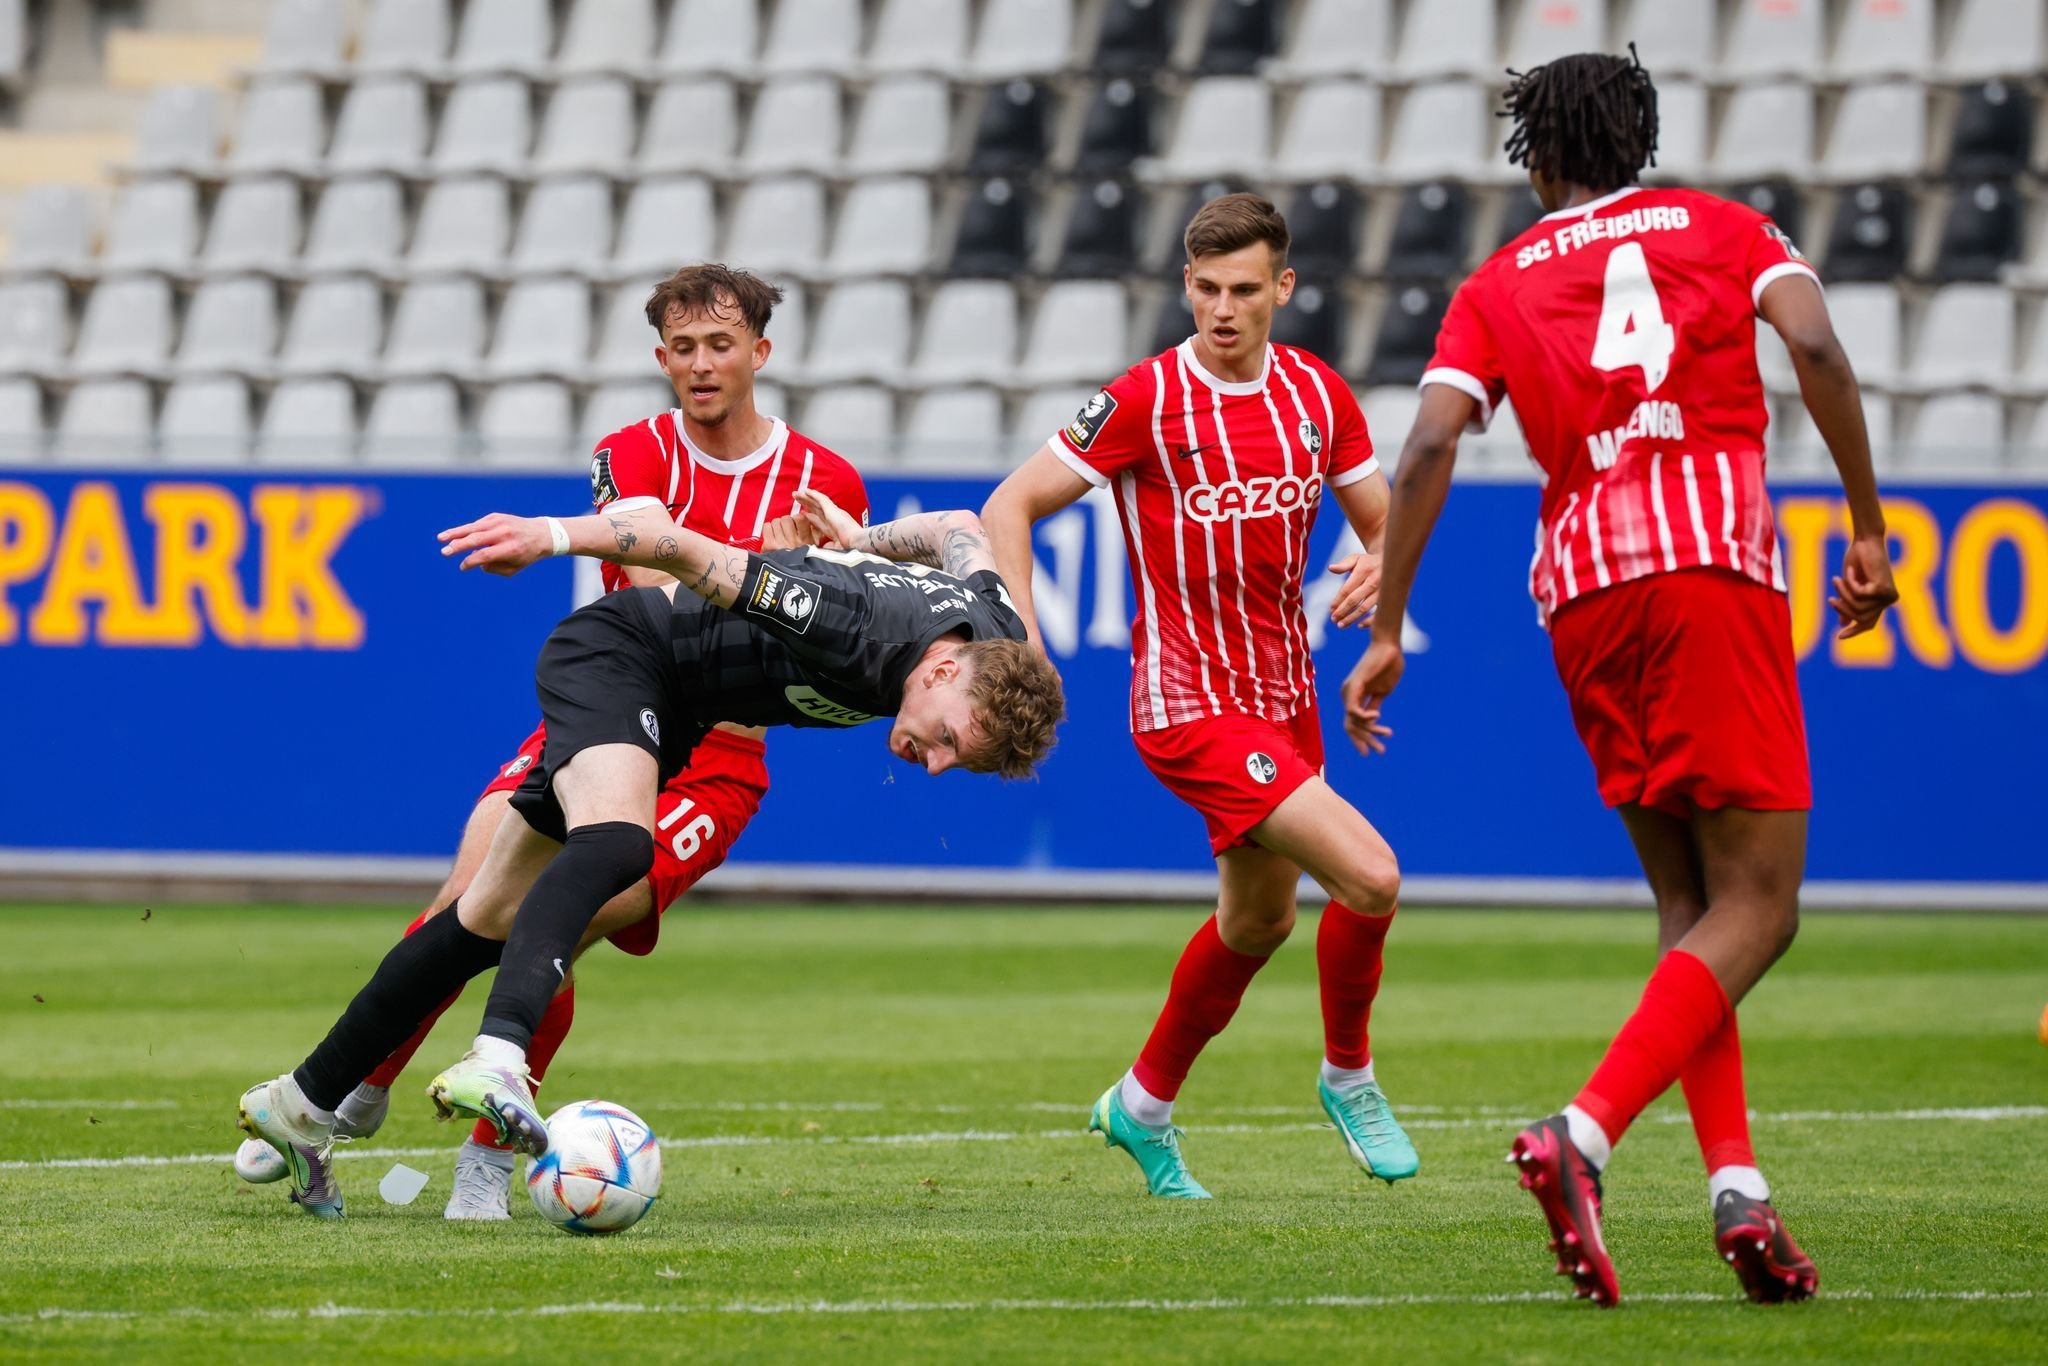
x,y
1372,886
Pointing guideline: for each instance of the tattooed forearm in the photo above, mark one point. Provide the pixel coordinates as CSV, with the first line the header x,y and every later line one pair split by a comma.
x,y
904,541
666,548
952,541
701,585
623,533
965,550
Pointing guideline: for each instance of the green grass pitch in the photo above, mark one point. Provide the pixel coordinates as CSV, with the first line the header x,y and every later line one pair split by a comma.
x,y
872,1124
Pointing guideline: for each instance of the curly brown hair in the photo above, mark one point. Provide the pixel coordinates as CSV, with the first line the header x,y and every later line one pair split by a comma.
x,y
717,290
1017,699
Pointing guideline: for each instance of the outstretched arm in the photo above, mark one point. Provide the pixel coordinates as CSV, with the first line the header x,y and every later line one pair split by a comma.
x,y
646,536
951,540
1032,492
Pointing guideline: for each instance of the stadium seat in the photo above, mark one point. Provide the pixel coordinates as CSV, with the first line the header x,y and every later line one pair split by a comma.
x,y
953,429
1339,38
1994,131
1118,129
205,421
35,325
1955,432
255,227
905,124
528,424
463,225
1078,334
1866,318
859,420
1102,232
566,228
1774,38
1324,221
1767,130
2033,445
1313,320
1044,412
612,37
1389,412
543,329
1672,37
770,398
487,126
812,35
1880,132
1965,339
919,35
126,327
438,328
1871,235
154,226
53,230
1450,38
795,127
280,128
625,343
588,127
303,37
1777,200
1173,322
1500,449
1432,233
382,127
513,36
1136,37
308,422
1242,36
414,422
1333,130
670,221
2032,373
1682,126
614,406
230,328
21,422
1224,128
885,228
790,329
105,421
1407,336
1023,38
970,335
335,328
1439,131
1520,211
359,224
1993,38
710,36
994,236
1545,29
180,131
1981,235
1010,137
692,125
404,36
862,333
1884,38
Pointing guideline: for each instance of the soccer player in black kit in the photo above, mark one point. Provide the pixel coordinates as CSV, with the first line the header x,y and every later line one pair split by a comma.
x,y
908,619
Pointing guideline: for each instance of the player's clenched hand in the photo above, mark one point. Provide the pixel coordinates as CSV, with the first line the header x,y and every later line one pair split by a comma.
x,y
830,523
1864,588
1361,591
499,543
1367,685
786,533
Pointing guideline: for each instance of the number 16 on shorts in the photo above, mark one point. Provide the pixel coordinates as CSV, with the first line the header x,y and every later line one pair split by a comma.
x,y
690,838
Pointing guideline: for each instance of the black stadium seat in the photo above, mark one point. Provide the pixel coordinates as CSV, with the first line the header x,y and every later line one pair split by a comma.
x,y
1777,199
1432,232
1136,36
1313,320
1994,133
1324,222
1011,136
994,230
1871,234
1407,336
1517,215
1102,234
1118,127
1982,233
1175,323
1240,37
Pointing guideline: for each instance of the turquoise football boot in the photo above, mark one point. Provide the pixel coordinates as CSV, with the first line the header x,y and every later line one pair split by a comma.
x,y
275,1112
1370,1132
1155,1150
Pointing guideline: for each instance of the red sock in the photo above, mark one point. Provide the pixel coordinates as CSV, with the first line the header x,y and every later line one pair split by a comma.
x,y
1713,1092
547,1038
388,1070
1208,982
1348,961
1682,1005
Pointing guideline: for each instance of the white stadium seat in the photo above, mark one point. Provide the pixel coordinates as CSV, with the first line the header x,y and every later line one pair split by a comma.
x,y
487,126
255,227
1885,38
623,402
504,36
885,228
779,225
105,421
856,420
1681,131
1440,132
35,328
382,127
1879,134
953,429
1672,37
790,332
1078,335
795,127
1993,38
710,36
359,224
543,329
414,422
280,128
1023,38
1389,412
155,226
1774,38
692,125
588,127
21,422
1866,318
404,36
1965,338
919,35
335,328
625,343
180,130
303,36
566,229
1543,29
1450,38
970,334
463,225
438,328
670,221
1767,130
607,36
1339,38
862,333
205,421
231,327
126,327
1956,432
904,125
1224,128
812,35
1333,131
308,422
53,229
530,423
1043,413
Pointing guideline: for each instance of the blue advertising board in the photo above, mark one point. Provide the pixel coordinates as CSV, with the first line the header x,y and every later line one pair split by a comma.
x,y
284,664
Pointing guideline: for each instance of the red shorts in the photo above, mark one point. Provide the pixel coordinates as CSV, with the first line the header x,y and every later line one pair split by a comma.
x,y
1684,691
697,818
1234,768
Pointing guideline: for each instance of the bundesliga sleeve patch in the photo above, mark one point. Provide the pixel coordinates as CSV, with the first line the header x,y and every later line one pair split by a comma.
x,y
603,489
784,597
1772,230
1089,421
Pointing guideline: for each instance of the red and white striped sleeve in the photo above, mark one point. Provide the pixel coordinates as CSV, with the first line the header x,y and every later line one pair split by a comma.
x,y
1113,430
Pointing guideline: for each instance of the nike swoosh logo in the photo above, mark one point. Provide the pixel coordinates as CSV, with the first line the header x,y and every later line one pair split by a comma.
x,y
559,970
1189,452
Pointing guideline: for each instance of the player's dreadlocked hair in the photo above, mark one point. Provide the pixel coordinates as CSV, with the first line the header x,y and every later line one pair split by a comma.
x,y
1588,119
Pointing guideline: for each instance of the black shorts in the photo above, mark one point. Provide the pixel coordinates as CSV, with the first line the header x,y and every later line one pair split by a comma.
x,y
606,677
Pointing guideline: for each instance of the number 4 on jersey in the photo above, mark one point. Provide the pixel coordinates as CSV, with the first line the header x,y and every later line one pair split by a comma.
x,y
1632,329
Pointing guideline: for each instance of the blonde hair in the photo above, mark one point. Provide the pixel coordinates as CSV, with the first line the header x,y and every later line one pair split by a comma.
x,y
1017,702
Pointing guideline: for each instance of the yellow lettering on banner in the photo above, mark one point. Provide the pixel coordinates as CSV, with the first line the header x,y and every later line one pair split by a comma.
x,y
93,563
26,526
1999,521
1805,524
200,533
1916,558
303,527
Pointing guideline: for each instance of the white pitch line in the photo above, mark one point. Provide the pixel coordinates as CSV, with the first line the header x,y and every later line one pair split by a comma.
x,y
1228,1304
1961,1114
90,1104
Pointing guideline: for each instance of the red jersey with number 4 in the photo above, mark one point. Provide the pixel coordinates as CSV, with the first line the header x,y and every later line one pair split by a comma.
x,y
732,500
1624,333
1217,486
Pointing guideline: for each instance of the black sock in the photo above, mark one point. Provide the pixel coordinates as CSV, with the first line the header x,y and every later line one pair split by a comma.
x,y
419,973
596,864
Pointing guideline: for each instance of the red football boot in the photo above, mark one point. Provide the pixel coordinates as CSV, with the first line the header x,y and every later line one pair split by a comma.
x,y
1568,1190
1751,1238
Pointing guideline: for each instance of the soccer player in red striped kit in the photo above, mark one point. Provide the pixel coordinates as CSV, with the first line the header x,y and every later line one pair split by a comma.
x,y
1218,452
1622,327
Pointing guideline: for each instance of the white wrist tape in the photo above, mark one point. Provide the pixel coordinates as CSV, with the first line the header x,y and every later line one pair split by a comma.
x,y
559,534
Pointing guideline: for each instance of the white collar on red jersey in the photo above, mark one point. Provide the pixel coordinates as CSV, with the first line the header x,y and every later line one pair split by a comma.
x,y
1602,202
1224,386
778,436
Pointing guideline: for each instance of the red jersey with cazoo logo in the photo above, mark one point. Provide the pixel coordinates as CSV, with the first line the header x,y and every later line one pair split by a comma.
x,y
1624,332
733,500
1217,485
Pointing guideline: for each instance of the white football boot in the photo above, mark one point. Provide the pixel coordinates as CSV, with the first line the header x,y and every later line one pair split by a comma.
x,y
360,1115
483,1183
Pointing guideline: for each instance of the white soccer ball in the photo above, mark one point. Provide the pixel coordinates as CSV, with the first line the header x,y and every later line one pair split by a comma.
x,y
602,1170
